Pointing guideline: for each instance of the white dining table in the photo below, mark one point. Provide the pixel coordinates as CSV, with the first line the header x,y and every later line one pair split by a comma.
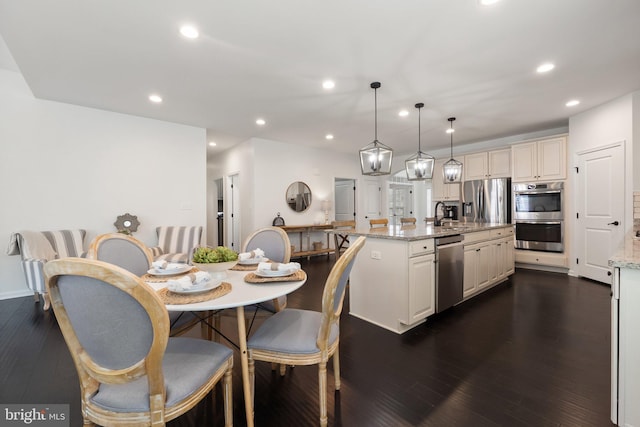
x,y
241,295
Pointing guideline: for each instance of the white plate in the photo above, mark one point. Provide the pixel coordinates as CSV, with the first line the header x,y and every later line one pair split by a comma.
x,y
212,284
172,268
275,273
253,261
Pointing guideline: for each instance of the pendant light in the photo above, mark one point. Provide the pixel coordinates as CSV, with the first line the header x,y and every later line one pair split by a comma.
x,y
452,170
375,158
419,166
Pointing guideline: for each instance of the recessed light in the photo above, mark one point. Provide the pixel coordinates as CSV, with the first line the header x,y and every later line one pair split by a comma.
x,y
212,144
487,2
403,113
155,98
572,103
328,84
328,136
546,67
261,122
189,31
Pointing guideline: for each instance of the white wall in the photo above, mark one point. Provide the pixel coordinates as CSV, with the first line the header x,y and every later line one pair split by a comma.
x,y
64,166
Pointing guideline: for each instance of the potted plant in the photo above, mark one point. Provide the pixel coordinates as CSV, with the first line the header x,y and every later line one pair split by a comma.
x,y
214,260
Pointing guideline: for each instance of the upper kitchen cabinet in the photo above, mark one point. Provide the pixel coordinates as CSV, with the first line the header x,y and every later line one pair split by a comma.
x,y
544,160
491,164
442,191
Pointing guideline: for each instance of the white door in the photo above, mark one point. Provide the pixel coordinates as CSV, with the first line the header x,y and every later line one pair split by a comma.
x,y
345,199
232,211
600,205
373,200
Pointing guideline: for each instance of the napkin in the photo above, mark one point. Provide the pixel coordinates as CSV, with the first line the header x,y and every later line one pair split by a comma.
x,y
159,265
277,266
256,253
189,281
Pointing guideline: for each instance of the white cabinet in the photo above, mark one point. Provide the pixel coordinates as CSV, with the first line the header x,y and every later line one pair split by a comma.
x,y
421,290
491,164
478,268
488,259
442,191
544,160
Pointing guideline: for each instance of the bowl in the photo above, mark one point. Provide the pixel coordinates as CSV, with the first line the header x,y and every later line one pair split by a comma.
x,y
216,269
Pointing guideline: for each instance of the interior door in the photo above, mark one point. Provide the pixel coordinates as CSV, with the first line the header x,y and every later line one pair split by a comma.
x,y
345,199
233,213
600,203
373,199
400,202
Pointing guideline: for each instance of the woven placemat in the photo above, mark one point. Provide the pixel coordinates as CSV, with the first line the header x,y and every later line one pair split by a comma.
x,y
151,278
173,298
254,278
244,267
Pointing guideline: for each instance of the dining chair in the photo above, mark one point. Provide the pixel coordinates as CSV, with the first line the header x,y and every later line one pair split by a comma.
x,y
117,331
341,239
304,337
407,221
378,222
134,256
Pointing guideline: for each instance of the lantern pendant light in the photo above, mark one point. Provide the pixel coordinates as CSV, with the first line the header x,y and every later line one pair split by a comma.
x,y
419,166
452,170
375,158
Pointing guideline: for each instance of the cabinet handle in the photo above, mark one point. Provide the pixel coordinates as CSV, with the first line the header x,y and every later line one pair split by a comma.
x,y
424,247
477,250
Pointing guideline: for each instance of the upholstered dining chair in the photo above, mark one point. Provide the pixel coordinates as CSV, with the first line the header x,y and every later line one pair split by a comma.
x,y
176,244
378,222
117,330
303,337
341,235
36,248
134,256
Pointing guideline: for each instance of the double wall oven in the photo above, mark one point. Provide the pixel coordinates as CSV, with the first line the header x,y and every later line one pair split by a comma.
x,y
539,216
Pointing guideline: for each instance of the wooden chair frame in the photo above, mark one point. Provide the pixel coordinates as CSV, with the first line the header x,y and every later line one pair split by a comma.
x,y
341,241
91,374
330,316
378,222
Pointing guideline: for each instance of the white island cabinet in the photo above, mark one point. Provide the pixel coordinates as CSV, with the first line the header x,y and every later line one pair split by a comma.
x,y
625,338
393,282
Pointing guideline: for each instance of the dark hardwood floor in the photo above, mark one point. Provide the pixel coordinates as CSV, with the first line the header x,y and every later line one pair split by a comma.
x,y
534,351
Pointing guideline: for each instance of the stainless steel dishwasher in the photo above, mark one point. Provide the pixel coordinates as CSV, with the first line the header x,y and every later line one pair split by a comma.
x,y
449,271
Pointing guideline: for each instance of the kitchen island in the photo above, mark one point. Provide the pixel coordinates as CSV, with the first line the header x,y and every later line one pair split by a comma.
x,y
625,340
394,282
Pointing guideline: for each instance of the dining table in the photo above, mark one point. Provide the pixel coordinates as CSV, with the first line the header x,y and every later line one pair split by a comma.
x,y
240,295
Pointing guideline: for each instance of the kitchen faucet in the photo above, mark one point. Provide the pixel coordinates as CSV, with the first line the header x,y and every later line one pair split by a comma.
x,y
437,222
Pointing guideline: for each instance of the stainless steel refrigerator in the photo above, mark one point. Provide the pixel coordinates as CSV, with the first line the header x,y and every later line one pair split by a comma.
x,y
487,200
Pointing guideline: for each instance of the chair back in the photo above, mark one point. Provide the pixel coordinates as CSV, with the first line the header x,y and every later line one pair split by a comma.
x,y
121,250
343,225
334,290
47,245
273,241
407,221
378,222
115,326
179,239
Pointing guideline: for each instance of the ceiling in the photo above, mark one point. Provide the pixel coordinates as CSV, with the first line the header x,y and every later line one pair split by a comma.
x,y
268,59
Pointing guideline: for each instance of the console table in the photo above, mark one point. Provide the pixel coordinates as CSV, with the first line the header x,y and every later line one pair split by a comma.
x,y
305,231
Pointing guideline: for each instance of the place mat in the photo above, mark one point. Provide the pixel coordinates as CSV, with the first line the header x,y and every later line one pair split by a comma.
x,y
254,278
244,267
173,298
161,279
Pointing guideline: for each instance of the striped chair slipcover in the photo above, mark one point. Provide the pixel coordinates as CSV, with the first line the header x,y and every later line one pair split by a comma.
x,y
176,244
38,247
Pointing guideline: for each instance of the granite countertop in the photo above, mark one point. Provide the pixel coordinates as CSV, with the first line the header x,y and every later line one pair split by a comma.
x,y
419,232
628,256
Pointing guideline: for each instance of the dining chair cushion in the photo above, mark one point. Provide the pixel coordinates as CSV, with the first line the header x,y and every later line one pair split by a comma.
x,y
291,331
122,253
188,363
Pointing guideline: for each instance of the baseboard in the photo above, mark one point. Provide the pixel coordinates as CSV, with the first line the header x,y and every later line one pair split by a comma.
x,y
539,267
15,294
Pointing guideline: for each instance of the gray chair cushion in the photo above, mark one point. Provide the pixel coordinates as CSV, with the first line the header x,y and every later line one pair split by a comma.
x,y
188,363
291,331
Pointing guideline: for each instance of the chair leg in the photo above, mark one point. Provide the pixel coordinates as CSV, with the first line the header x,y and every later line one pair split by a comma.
x,y
283,369
322,381
336,368
228,397
47,302
216,326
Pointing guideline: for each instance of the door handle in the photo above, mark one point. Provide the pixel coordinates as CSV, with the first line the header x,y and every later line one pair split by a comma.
x,y
616,223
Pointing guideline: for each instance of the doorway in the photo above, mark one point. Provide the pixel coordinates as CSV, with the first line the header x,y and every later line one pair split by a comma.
x,y
345,199
232,211
400,202
600,205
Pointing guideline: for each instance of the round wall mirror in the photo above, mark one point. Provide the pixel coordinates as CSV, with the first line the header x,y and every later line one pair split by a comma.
x,y
298,196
